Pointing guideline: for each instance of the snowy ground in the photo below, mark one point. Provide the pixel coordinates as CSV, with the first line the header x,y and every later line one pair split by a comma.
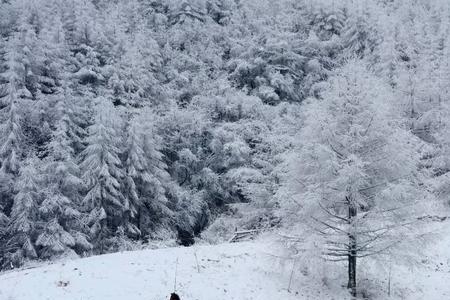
x,y
230,271
241,271
429,281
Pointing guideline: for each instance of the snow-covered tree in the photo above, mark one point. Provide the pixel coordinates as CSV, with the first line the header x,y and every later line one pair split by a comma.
x,y
360,36
354,177
24,218
60,208
12,133
134,81
147,180
102,174
54,240
11,115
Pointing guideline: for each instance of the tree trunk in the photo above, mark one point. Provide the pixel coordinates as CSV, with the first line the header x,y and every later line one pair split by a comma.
x,y
352,212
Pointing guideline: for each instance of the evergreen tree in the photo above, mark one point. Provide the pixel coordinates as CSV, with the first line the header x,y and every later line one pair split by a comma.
x,y
11,114
12,133
102,173
359,36
24,226
134,82
60,209
147,180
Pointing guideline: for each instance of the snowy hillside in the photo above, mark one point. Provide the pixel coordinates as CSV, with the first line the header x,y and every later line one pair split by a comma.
x,y
131,122
230,271
241,271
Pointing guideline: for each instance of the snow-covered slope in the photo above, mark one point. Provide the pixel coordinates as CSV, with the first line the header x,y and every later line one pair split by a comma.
x,y
229,271
244,271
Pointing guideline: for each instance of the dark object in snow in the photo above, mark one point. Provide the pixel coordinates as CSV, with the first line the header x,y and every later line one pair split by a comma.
x,y
243,235
64,283
174,296
185,237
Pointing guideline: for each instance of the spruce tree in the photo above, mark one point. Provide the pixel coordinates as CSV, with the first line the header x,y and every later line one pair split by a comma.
x,y
147,180
102,174
11,115
61,207
24,226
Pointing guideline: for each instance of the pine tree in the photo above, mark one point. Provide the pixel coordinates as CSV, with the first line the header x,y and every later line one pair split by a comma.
x,y
389,58
219,11
82,37
24,218
136,167
134,80
60,209
11,114
67,138
55,240
12,133
147,180
102,173
359,36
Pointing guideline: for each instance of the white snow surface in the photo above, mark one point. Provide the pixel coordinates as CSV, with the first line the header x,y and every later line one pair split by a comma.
x,y
228,271
244,271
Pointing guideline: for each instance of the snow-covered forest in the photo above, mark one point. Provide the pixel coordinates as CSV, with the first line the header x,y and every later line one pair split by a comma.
x,y
127,122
